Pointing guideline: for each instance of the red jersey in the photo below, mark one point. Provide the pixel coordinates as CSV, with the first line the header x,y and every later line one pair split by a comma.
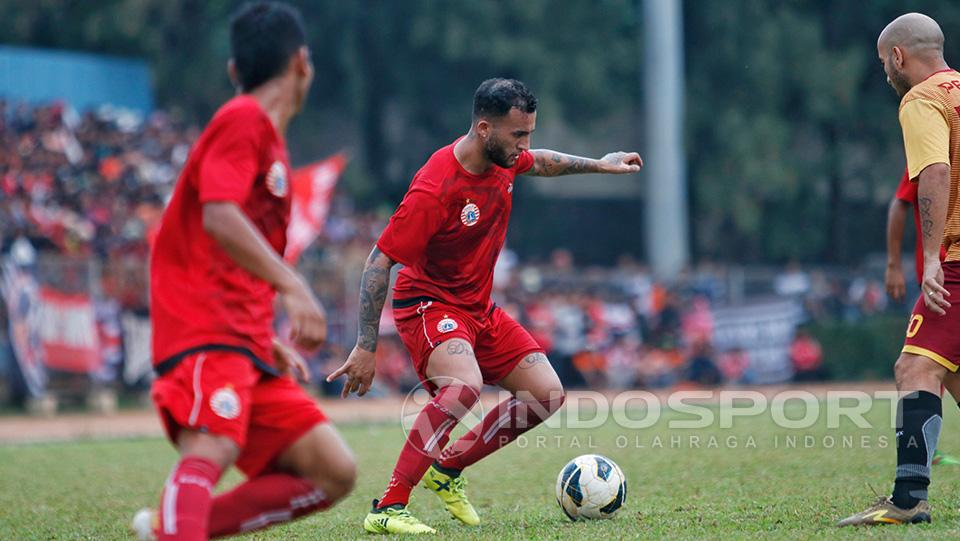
x,y
449,229
200,298
908,193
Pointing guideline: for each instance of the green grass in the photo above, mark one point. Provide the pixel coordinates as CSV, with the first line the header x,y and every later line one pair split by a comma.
x,y
89,490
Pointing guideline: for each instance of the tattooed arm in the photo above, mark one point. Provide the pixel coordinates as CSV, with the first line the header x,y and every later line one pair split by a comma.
x,y
933,194
549,163
361,363
373,292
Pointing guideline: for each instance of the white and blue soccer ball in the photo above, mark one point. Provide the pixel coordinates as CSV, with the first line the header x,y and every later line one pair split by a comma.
x,y
591,487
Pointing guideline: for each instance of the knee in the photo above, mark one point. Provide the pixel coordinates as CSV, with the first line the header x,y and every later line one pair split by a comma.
x,y
343,481
539,406
465,386
218,449
916,372
900,369
458,398
470,383
548,390
473,386
548,399
336,480
555,399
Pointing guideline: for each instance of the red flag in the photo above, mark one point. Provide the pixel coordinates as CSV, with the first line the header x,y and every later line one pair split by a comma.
x,y
312,192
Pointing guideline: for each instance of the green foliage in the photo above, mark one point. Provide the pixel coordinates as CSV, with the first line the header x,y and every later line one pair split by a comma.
x,y
861,351
792,134
792,138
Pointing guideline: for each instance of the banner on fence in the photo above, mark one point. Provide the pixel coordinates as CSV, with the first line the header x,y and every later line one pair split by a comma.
x,y
22,298
68,331
764,330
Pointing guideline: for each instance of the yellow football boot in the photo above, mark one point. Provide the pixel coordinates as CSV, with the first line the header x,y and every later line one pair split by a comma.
x,y
452,492
394,519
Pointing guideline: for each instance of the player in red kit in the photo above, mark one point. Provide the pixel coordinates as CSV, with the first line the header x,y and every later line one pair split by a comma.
x,y
224,386
448,232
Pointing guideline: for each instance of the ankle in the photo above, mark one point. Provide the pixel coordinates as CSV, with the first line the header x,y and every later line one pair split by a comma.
x,y
447,470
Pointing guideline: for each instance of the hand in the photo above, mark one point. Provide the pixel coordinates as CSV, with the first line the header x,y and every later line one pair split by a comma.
x,y
289,362
308,321
619,163
359,368
932,290
894,282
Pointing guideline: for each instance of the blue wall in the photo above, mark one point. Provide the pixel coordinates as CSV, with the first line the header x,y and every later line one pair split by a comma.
x,y
83,80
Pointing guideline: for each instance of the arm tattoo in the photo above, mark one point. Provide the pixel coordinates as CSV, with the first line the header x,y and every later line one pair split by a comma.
x,y
373,293
926,221
532,360
459,347
548,163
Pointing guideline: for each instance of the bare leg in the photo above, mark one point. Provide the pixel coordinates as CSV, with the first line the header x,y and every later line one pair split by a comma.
x,y
537,392
321,472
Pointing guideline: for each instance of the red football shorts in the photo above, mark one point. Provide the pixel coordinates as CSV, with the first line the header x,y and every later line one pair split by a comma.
x,y
934,336
498,341
223,393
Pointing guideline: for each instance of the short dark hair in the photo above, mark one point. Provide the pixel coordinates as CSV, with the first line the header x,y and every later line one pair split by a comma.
x,y
263,37
495,97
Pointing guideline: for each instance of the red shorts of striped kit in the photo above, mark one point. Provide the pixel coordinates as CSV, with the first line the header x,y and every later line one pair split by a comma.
x,y
498,341
223,393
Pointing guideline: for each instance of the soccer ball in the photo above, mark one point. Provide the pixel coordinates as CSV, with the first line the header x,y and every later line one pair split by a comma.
x,y
590,487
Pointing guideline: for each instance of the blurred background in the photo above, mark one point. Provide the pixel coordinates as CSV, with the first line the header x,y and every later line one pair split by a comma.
x,y
750,250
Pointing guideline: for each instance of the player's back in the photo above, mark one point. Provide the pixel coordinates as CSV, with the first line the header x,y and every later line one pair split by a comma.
x,y
199,295
938,97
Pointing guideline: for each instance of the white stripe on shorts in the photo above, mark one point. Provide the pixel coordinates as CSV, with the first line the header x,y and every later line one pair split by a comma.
x,y
423,317
197,390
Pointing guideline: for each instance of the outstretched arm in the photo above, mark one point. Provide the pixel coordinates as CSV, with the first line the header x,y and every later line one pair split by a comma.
x,y
550,163
361,364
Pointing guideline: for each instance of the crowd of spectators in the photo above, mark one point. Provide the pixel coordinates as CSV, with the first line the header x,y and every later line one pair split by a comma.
x,y
93,186
619,328
87,184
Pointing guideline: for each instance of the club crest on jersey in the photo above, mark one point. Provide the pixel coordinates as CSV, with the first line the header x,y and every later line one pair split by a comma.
x,y
510,188
277,181
225,403
470,215
447,325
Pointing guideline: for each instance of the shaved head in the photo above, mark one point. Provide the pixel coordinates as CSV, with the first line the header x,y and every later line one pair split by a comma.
x,y
914,32
910,49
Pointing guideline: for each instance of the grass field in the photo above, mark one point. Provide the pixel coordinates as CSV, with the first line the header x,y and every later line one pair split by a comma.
x,y
685,488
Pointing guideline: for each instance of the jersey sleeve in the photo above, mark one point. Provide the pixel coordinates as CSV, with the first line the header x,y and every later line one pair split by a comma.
x,y
907,191
524,162
229,166
419,216
926,135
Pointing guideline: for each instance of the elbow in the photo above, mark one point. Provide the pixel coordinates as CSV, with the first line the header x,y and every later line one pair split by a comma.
x,y
214,220
378,259
937,174
898,207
